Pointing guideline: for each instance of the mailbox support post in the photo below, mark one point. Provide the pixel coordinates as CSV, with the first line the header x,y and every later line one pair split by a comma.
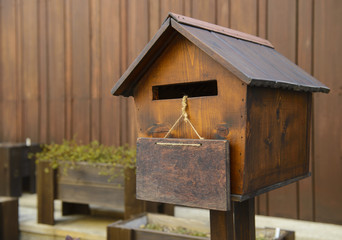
x,y
237,224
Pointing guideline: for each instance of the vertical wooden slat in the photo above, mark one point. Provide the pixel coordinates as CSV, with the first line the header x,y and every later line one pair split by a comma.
x,y
138,36
19,71
30,84
1,79
8,69
188,8
244,16
328,111
166,6
204,10
110,71
123,66
304,60
56,70
281,26
68,69
155,16
262,18
80,69
45,194
281,31
222,12
42,66
95,69
138,27
262,204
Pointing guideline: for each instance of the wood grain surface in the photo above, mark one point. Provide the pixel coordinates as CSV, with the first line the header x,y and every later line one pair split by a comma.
x,y
185,172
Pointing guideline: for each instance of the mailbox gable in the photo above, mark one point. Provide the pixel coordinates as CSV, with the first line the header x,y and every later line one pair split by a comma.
x,y
220,115
253,60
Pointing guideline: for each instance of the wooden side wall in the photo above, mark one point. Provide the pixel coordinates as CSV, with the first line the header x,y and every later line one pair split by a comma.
x,y
60,58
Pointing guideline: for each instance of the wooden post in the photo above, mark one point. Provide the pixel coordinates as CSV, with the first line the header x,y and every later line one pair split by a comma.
x,y
10,171
221,225
9,228
133,206
237,224
45,193
32,174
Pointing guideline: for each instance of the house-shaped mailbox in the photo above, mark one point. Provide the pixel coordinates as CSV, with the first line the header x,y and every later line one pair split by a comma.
x,y
239,89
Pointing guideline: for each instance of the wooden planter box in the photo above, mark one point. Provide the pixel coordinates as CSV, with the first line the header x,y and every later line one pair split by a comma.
x,y
131,229
83,186
17,171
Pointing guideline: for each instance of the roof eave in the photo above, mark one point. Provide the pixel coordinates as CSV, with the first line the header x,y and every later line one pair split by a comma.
x,y
282,85
126,83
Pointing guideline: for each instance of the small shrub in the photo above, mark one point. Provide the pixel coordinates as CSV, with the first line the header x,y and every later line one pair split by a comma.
x,y
107,158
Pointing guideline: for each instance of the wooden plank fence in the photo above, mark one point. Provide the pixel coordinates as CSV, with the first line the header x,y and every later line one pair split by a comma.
x,y
60,58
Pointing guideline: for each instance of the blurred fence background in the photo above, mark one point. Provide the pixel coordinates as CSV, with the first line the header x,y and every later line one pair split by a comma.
x,y
59,60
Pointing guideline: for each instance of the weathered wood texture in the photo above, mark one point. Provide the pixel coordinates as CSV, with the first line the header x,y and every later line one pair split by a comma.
x,y
222,224
37,84
244,219
9,224
130,229
227,120
187,172
239,223
278,123
268,128
327,125
83,186
46,188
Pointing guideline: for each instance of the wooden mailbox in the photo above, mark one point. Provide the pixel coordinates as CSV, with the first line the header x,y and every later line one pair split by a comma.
x,y
248,104
239,89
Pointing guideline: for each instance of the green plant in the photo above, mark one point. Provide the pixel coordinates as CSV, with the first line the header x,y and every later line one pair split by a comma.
x,y
169,229
107,158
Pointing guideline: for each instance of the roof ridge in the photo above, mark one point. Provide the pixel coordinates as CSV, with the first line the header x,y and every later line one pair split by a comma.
x,y
219,29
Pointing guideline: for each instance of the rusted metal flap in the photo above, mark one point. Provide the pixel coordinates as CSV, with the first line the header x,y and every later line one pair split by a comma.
x,y
189,172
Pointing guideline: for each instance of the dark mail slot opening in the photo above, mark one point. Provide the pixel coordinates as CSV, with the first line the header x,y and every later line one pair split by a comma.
x,y
192,89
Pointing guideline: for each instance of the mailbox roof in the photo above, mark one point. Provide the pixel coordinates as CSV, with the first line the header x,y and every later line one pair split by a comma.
x,y
252,59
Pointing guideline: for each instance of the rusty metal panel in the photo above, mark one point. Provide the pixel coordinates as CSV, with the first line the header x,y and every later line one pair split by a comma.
x,y
186,172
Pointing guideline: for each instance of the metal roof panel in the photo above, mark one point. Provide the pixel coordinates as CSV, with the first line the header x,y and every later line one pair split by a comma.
x,y
252,59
